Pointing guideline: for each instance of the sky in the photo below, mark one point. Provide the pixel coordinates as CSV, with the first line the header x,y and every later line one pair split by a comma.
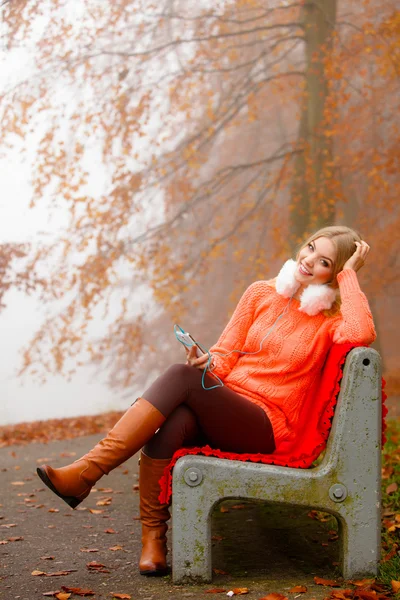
x,y
21,399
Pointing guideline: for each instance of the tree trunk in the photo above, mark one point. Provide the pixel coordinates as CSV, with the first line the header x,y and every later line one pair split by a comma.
x,y
312,205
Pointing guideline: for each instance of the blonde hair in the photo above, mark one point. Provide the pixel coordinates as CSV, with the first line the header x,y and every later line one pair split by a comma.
x,y
343,238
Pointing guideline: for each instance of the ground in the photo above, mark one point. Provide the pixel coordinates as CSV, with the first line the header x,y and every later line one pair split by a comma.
x,y
264,549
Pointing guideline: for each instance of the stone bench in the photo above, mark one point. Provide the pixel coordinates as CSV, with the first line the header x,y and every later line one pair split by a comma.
x,y
345,484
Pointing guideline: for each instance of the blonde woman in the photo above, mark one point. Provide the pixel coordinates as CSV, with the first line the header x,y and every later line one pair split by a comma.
x,y
251,395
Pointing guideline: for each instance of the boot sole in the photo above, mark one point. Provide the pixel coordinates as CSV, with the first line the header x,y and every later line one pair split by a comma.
x,y
155,572
70,500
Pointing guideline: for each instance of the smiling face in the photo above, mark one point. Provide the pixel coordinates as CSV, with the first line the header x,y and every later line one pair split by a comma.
x,y
315,262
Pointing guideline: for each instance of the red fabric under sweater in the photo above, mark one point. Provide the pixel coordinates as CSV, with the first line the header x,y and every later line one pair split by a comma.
x,y
312,432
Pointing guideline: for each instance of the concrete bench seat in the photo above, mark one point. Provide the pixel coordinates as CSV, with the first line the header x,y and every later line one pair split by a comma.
x,y
346,483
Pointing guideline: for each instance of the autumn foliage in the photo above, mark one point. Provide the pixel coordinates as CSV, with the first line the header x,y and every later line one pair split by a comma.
x,y
191,146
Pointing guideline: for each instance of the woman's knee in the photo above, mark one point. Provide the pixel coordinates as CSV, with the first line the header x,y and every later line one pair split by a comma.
x,y
180,428
179,371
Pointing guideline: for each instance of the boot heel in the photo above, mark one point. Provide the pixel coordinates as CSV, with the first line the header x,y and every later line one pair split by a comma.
x,y
70,500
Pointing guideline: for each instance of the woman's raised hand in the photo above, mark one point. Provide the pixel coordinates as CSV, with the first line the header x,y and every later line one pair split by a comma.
x,y
357,260
200,362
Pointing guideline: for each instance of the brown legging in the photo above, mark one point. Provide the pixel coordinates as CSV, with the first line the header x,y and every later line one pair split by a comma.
x,y
219,417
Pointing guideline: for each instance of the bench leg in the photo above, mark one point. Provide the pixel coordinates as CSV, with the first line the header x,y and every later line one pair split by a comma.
x,y
191,537
360,546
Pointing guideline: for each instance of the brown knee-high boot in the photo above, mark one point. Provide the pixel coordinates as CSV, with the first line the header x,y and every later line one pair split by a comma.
x,y
153,515
74,482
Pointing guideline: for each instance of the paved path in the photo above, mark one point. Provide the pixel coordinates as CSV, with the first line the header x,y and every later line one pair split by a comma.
x,y
262,548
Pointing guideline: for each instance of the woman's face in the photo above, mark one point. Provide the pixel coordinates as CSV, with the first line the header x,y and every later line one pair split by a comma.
x,y
315,262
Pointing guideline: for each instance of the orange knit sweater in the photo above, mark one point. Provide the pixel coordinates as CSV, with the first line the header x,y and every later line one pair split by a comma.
x,y
278,377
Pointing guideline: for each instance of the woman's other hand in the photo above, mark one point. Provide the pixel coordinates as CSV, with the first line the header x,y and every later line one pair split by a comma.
x,y
200,362
357,260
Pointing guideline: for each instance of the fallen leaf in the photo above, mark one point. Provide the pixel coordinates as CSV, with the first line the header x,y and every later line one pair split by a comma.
x,y
298,589
47,557
63,596
387,472
98,567
274,596
114,548
8,525
217,538
326,582
391,553
54,510
342,594
89,549
51,593
365,594
121,596
104,502
95,511
135,487
219,572
238,506
395,586
240,591
68,454
106,490
215,591
3,542
77,591
54,574
362,582
110,530
15,539
224,509
17,483
393,487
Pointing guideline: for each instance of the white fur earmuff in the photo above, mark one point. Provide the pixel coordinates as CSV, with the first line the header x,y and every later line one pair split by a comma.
x,y
314,298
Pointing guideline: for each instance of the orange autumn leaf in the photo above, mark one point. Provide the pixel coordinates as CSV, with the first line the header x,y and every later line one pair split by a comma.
x,y
109,530
395,586
240,591
219,572
77,591
365,594
121,596
215,591
104,502
298,589
63,596
362,582
391,488
326,582
274,596
342,594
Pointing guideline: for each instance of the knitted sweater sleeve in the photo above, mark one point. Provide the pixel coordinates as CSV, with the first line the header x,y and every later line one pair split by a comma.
x,y
355,324
234,335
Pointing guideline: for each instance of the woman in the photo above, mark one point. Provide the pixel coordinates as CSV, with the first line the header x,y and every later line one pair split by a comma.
x,y
268,356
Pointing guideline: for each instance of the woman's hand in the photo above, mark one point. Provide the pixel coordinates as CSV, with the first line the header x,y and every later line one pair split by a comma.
x,y
357,260
200,362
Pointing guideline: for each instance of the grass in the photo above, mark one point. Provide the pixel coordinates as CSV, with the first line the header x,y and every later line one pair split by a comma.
x,y
390,564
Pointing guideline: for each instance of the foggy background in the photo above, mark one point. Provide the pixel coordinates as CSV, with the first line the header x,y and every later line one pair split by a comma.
x,y
159,160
